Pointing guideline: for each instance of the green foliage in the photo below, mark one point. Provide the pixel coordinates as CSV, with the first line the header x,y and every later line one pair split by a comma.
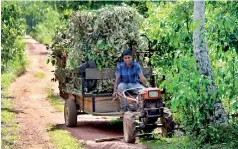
x,y
42,20
169,143
220,135
67,7
189,97
192,105
45,30
222,40
222,26
12,29
32,12
227,82
170,27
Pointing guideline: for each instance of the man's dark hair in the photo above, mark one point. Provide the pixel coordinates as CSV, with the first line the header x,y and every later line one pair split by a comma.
x,y
127,52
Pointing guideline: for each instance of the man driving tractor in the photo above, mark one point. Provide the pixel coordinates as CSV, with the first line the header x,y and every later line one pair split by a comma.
x,y
128,75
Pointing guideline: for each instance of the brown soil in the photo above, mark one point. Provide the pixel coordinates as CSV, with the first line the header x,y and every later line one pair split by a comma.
x,y
34,113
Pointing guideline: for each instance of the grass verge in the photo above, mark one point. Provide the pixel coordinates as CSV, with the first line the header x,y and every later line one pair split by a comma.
x,y
56,101
62,138
39,75
59,137
167,143
10,129
180,142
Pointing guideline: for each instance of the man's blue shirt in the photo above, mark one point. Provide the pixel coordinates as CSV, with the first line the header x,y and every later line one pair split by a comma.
x,y
128,74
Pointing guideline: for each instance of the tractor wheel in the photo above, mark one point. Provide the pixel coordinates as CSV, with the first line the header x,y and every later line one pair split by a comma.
x,y
129,127
152,120
168,123
150,128
70,113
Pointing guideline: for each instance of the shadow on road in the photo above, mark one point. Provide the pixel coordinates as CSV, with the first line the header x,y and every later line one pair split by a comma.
x,y
94,129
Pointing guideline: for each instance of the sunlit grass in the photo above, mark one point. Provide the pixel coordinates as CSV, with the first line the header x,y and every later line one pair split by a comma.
x,y
39,75
9,128
158,142
62,139
55,100
167,143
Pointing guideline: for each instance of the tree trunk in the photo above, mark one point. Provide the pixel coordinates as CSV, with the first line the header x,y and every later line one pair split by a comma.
x,y
202,59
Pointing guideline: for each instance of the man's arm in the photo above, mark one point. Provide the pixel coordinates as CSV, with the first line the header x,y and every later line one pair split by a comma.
x,y
143,80
116,84
117,74
141,76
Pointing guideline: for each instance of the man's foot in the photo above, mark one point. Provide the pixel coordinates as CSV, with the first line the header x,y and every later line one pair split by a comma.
x,y
121,115
122,111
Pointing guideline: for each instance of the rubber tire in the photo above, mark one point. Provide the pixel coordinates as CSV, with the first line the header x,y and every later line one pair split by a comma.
x,y
168,123
152,120
149,129
129,127
70,105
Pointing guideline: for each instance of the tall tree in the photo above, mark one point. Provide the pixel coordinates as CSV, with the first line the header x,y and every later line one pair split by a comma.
x,y
219,115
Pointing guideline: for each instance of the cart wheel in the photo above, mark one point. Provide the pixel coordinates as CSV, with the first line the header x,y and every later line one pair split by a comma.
x,y
70,113
129,127
168,123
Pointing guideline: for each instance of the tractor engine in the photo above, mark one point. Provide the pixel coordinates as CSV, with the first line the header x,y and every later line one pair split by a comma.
x,y
150,105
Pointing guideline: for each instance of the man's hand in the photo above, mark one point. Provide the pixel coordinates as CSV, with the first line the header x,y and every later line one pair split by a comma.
x,y
143,80
114,94
115,86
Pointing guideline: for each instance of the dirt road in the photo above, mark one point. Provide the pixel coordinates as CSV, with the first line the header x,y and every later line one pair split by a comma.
x,y
34,113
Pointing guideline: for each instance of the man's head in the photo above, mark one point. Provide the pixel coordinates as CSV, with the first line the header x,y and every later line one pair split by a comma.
x,y
127,56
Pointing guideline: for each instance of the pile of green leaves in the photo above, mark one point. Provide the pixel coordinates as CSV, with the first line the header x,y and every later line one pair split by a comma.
x,y
119,24
117,28
80,27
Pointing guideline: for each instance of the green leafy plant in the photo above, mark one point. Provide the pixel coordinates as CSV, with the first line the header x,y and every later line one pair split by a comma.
x,y
12,29
169,24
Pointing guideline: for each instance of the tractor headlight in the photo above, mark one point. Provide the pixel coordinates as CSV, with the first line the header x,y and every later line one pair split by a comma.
x,y
153,94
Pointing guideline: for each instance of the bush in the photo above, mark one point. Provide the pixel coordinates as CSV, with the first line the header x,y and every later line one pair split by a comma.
x,y
188,93
170,25
13,29
220,135
45,30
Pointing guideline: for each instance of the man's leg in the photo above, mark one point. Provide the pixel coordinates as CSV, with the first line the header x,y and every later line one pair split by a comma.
x,y
121,87
139,86
135,85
